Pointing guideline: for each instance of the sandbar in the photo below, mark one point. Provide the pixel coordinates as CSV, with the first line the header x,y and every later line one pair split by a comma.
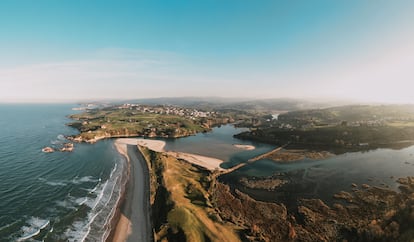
x,y
203,161
155,145
158,146
244,147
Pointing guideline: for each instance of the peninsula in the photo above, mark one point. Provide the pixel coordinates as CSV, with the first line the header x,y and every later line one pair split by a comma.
x,y
152,121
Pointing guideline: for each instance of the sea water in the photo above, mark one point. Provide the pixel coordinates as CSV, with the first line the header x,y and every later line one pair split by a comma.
x,y
72,196
60,196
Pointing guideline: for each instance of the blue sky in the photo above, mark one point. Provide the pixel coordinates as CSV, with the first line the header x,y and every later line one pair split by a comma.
x,y
75,50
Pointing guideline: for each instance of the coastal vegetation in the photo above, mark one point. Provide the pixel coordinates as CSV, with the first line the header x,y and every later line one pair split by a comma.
x,y
162,121
175,117
189,203
182,207
340,129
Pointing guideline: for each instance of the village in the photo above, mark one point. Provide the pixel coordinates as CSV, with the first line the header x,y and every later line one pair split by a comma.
x,y
168,110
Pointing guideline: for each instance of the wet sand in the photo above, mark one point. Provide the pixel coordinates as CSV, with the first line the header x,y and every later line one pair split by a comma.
x,y
134,221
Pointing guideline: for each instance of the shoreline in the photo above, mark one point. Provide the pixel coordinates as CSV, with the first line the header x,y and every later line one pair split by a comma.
x,y
206,162
128,224
121,228
120,224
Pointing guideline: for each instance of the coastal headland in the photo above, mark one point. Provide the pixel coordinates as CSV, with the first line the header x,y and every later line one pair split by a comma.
x,y
150,121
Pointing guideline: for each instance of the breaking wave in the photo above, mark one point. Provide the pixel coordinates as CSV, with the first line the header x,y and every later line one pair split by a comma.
x,y
32,228
101,204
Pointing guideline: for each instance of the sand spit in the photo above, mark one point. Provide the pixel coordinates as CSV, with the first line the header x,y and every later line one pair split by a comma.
x,y
203,161
158,146
155,145
244,147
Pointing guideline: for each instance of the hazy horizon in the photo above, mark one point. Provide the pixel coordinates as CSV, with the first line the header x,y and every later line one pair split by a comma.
x,y
324,102
66,51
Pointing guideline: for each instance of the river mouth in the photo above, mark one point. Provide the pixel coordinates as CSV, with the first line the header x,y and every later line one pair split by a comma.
x,y
319,179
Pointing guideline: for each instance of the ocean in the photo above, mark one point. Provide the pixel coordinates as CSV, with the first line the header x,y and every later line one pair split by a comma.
x,y
60,196
72,196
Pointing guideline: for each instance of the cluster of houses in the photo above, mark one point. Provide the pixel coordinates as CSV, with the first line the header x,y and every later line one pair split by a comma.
x,y
168,110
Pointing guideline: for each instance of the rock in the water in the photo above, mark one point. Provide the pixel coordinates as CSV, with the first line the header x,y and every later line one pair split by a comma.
x,y
68,147
48,150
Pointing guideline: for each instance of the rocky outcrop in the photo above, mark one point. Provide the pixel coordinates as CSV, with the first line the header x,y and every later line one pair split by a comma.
x,y
95,136
67,147
262,183
369,214
48,150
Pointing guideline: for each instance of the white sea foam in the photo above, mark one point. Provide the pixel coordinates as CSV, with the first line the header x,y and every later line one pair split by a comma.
x,y
61,137
81,200
60,183
75,181
66,204
92,190
35,225
101,200
56,142
73,202
84,179
99,197
96,187
102,207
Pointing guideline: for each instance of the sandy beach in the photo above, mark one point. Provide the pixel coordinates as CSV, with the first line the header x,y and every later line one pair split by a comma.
x,y
155,145
244,147
158,145
123,227
134,220
203,161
